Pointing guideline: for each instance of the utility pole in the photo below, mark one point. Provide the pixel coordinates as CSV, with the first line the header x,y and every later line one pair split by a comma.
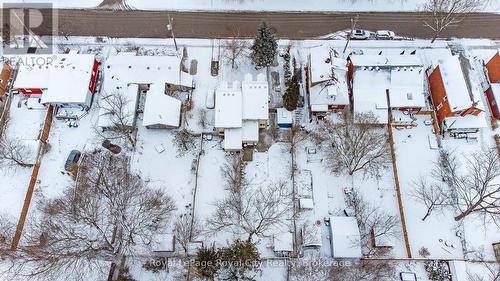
x,y
354,22
170,27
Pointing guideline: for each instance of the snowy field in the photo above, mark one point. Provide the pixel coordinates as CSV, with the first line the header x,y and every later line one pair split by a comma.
x,y
259,5
159,164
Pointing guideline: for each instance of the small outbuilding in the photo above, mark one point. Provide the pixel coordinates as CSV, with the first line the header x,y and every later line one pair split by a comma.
x,y
345,237
284,118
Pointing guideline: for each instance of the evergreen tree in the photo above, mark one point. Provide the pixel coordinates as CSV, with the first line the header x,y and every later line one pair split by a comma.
x,y
241,260
264,48
292,94
286,65
207,262
437,271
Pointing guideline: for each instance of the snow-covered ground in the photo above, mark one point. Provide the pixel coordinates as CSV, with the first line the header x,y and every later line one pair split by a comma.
x,y
156,159
259,5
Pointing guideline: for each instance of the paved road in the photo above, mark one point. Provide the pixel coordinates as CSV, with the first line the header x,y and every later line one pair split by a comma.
x,y
288,25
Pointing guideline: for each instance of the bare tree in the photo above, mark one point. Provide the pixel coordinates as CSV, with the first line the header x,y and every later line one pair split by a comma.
x,y
235,50
14,152
186,229
490,270
309,269
185,141
7,230
252,210
446,13
107,215
374,223
365,269
233,172
121,119
432,195
475,187
354,144
202,118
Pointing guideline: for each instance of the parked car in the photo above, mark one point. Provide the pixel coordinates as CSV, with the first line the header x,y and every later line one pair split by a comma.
x,y
72,159
384,35
360,34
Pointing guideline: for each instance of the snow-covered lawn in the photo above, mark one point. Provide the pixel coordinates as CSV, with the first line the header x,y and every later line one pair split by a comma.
x,y
24,125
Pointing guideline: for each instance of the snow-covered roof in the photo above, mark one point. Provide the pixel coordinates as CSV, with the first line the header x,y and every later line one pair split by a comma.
x,y
130,68
495,88
311,235
241,107
250,131
160,108
382,60
306,203
233,139
323,63
345,237
228,106
454,84
255,97
370,93
407,87
458,270
466,122
165,243
330,93
284,116
65,78
283,242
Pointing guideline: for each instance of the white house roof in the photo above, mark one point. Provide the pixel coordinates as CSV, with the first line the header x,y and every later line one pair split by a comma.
x,y
407,87
161,109
65,78
233,139
346,240
228,106
454,84
370,93
255,98
250,131
382,60
130,68
323,63
284,116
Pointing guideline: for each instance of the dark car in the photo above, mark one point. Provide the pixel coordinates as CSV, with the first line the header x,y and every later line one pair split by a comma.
x,y
72,159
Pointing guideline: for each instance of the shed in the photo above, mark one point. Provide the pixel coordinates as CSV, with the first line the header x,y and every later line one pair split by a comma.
x,y
284,118
345,237
166,243
311,235
283,244
306,203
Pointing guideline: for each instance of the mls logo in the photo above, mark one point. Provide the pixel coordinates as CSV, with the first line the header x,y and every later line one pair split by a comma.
x,y
24,24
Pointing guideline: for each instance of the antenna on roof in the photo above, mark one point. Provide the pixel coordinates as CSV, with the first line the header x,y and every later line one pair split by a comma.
x,y
402,53
380,53
414,52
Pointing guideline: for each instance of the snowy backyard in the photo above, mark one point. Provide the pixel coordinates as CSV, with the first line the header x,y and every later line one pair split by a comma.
x,y
198,172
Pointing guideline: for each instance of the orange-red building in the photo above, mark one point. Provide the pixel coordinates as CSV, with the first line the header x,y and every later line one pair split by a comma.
x,y
456,107
4,79
493,92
